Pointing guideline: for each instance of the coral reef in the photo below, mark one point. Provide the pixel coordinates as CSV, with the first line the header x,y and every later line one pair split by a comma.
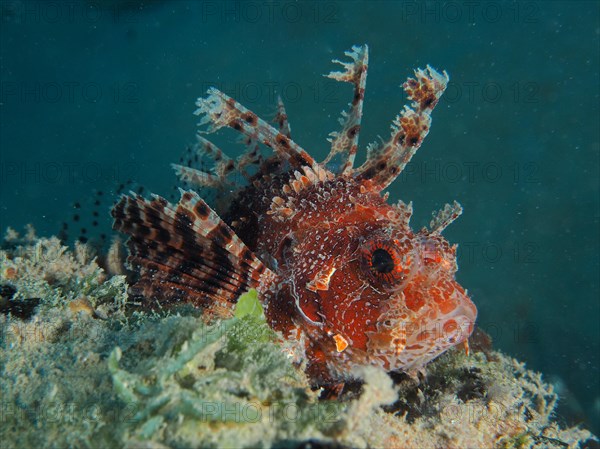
x,y
83,367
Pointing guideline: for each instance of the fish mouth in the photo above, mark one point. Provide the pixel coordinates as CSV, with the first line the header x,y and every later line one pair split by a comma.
x,y
459,327
456,326
436,330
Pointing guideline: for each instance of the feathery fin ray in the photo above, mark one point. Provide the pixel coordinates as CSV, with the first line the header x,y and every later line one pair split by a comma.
x,y
386,161
345,142
219,110
185,252
443,218
281,119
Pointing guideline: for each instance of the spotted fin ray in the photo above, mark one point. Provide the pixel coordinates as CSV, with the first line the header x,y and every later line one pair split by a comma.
x,y
345,142
385,161
185,252
218,110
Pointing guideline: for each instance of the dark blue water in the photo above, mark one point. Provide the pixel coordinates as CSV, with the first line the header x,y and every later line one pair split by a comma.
x,y
96,93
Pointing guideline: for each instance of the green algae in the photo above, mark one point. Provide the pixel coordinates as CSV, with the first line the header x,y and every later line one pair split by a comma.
x,y
249,305
225,376
109,375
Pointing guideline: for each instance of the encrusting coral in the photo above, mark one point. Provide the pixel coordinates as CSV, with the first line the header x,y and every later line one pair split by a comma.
x,y
83,368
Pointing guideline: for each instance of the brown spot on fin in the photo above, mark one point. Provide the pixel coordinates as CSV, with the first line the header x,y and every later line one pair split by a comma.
x,y
443,218
185,252
223,166
197,177
400,214
345,142
250,158
219,110
281,119
385,161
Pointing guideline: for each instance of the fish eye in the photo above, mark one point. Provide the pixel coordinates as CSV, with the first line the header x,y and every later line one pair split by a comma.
x,y
383,263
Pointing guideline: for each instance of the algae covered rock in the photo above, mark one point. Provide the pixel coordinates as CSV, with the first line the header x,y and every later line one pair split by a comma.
x,y
84,367
224,385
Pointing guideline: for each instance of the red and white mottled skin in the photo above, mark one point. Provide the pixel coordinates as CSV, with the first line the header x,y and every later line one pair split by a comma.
x,y
327,289
319,233
337,267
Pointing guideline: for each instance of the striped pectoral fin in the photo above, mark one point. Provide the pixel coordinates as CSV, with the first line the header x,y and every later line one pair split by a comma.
x,y
185,252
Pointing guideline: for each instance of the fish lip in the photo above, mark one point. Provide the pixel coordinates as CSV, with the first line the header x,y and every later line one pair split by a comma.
x,y
465,315
442,333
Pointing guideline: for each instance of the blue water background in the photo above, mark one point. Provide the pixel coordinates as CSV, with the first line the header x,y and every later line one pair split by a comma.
x,y
96,93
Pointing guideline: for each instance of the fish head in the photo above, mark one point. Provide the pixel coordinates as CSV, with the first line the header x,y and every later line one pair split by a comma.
x,y
380,293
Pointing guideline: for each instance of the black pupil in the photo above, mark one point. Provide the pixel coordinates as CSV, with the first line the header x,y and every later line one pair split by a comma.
x,y
382,261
